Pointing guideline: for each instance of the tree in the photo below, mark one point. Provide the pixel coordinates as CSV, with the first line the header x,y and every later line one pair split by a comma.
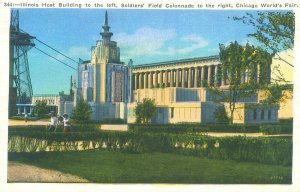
x,y
41,108
145,110
221,115
82,112
244,69
274,30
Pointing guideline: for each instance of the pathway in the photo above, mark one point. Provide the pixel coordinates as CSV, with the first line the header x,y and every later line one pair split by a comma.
x,y
19,172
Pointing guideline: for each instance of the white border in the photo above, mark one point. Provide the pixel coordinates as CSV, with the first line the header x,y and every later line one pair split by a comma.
x,y
4,53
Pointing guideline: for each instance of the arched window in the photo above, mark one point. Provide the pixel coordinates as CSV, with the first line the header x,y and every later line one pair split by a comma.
x,y
262,114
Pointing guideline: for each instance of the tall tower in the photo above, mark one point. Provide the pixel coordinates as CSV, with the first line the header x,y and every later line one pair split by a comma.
x,y
20,43
105,52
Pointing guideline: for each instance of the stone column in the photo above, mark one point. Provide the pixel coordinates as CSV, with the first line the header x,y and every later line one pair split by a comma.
x,y
172,79
216,75
246,76
167,78
145,80
189,79
161,77
223,78
150,85
202,75
258,74
209,75
135,81
140,81
177,78
19,110
243,77
195,77
183,78
156,78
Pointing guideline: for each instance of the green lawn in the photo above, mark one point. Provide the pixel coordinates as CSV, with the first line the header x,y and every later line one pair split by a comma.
x,y
117,167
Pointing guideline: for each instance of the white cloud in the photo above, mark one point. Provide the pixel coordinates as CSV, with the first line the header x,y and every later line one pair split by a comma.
x,y
196,41
75,52
144,41
147,41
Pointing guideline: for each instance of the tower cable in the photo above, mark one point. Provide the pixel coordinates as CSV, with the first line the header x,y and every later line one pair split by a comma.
x,y
55,58
52,48
56,50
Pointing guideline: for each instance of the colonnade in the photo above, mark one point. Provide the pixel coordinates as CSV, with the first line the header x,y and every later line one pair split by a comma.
x,y
186,77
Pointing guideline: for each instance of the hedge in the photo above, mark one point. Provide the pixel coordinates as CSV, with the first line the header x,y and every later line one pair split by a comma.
x,y
192,128
276,129
92,127
271,150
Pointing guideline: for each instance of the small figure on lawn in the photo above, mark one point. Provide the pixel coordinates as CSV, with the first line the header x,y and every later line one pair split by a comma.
x,y
66,123
26,117
60,122
53,122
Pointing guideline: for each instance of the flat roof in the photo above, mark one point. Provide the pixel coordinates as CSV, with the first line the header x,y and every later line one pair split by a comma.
x,y
177,61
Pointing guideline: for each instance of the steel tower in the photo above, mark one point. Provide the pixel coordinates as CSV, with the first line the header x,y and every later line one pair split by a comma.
x,y
20,88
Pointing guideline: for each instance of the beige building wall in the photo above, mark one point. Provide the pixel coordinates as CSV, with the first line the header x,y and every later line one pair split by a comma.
x,y
286,106
253,113
285,110
280,69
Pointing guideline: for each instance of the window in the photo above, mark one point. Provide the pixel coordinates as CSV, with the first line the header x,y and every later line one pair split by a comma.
x,y
269,114
172,112
262,115
255,114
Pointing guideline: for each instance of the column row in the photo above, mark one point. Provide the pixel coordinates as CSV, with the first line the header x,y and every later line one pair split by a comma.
x,y
185,77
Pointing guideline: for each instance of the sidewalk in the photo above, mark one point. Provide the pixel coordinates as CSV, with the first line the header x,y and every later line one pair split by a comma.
x,y
22,122
19,172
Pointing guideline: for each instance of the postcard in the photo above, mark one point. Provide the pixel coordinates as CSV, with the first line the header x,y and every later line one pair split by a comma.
x,y
153,96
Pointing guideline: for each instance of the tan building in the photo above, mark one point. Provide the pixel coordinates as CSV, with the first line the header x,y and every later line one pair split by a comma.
x,y
179,90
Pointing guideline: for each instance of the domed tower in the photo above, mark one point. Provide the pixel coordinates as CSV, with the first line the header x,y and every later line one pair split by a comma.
x,y
105,52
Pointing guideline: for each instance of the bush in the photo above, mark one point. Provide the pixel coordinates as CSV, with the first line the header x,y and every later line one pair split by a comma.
x,y
112,121
286,121
221,115
271,150
30,118
82,112
92,127
194,128
276,129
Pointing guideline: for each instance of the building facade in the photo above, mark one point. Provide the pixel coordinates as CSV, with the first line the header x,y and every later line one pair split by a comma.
x,y
104,81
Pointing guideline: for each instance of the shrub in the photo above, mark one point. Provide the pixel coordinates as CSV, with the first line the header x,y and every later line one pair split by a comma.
x,y
276,129
23,118
221,115
271,150
112,121
145,110
194,128
82,112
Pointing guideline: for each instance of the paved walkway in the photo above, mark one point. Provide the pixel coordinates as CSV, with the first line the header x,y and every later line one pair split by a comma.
x,y
19,172
22,122
214,134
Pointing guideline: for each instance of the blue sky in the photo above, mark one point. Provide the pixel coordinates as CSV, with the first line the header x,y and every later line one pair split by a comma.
x,y
145,36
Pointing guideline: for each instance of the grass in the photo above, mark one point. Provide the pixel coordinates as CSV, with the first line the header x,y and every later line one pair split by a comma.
x,y
117,167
